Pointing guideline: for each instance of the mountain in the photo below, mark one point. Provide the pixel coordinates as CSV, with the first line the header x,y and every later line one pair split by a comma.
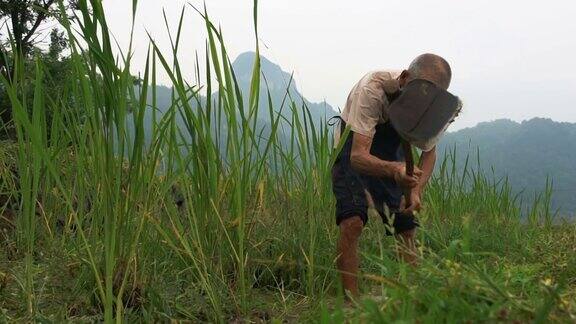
x,y
278,83
275,81
527,153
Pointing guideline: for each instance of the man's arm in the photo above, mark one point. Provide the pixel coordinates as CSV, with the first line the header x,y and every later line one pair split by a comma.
x,y
366,163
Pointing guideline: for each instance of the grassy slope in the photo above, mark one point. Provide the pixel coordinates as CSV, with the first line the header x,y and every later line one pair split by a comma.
x,y
476,265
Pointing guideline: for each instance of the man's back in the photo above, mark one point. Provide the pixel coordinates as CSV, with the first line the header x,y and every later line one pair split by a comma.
x,y
367,104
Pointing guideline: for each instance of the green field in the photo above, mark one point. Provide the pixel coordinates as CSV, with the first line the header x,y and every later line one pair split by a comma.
x,y
222,221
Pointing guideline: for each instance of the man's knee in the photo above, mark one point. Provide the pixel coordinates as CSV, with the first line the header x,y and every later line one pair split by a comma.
x,y
352,226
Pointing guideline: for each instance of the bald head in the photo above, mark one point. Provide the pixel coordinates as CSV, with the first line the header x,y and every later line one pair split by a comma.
x,y
431,67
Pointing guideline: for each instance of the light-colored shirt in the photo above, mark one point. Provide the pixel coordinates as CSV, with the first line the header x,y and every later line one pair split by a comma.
x,y
367,104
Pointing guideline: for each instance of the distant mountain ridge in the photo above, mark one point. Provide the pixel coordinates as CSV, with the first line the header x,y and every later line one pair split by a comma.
x,y
275,80
527,153
278,82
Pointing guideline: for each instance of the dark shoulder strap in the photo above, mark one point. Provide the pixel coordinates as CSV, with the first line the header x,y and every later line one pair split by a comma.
x,y
393,96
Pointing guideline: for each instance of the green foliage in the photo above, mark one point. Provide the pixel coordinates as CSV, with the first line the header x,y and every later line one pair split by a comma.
x,y
25,19
210,221
23,45
56,81
531,155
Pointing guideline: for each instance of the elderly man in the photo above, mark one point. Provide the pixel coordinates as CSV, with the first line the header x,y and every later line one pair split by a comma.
x,y
384,109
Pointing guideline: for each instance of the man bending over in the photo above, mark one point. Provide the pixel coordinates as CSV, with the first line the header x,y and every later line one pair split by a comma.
x,y
383,109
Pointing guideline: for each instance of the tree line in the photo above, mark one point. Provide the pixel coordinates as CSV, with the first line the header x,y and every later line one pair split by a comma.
x,y
30,34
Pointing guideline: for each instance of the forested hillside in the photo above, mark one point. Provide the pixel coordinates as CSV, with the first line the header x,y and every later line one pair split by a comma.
x,y
527,153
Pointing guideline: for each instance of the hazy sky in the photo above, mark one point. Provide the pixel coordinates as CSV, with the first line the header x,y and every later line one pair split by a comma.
x,y
510,59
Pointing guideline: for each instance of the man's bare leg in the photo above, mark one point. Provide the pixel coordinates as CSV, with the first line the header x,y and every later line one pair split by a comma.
x,y
407,250
348,261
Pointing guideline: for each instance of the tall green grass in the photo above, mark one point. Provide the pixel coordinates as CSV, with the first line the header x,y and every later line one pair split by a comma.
x,y
97,201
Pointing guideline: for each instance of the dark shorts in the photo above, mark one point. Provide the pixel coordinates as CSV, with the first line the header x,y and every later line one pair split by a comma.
x,y
350,187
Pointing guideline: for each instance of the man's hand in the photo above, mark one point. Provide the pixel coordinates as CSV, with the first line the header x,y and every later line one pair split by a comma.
x,y
402,179
416,203
427,160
